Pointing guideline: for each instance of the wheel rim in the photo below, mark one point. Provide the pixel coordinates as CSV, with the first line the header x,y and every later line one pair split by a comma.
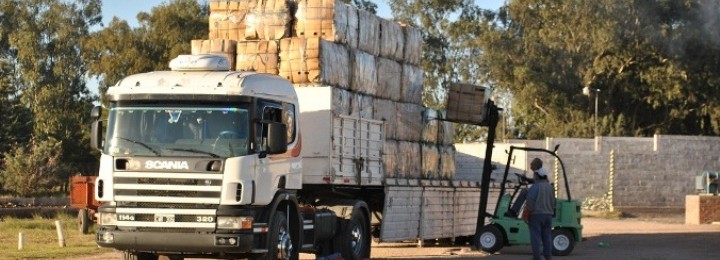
x,y
356,240
284,246
487,240
561,243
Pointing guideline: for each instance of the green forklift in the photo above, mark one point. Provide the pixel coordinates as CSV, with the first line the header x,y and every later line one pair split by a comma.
x,y
507,228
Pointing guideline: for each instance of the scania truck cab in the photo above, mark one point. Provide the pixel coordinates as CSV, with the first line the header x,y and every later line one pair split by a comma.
x,y
203,161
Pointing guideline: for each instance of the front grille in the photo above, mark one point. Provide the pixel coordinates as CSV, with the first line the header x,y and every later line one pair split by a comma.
x,y
164,205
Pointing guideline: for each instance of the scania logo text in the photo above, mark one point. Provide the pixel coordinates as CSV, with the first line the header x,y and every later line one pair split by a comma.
x,y
167,165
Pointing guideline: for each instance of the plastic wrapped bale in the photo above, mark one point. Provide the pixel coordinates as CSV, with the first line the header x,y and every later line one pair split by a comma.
x,y
361,106
341,101
447,162
389,84
369,32
330,20
364,73
431,123
269,20
412,52
430,161
390,158
446,132
312,60
409,117
409,164
386,110
412,84
223,47
392,40
259,56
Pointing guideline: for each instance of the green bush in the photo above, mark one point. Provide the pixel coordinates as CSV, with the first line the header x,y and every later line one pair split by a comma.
x,y
35,171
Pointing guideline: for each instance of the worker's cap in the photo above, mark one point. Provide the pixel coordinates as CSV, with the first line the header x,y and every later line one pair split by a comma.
x,y
541,172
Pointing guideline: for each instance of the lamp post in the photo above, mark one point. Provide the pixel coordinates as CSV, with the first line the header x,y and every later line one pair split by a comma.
x,y
587,91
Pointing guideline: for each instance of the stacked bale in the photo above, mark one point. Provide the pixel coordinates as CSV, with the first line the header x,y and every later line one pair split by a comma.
x,y
224,47
371,64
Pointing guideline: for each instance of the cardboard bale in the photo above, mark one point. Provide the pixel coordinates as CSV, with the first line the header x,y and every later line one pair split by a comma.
x,y
369,32
389,84
392,40
412,84
331,20
409,118
430,161
412,52
386,110
431,125
259,56
363,72
390,158
467,103
270,20
312,60
409,164
228,20
223,47
447,162
446,132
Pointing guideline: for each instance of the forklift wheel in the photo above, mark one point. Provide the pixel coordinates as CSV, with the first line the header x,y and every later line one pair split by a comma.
x,y
490,239
563,242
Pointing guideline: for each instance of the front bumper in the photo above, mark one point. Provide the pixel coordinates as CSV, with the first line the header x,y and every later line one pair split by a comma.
x,y
174,242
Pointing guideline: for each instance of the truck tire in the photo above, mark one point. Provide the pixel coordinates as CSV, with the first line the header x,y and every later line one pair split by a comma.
x,y
280,242
83,221
353,238
127,255
490,239
563,242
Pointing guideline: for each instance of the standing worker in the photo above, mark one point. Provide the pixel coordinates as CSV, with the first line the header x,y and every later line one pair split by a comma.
x,y
541,207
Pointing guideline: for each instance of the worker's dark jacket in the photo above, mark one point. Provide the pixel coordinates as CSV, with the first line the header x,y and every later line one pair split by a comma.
x,y
541,197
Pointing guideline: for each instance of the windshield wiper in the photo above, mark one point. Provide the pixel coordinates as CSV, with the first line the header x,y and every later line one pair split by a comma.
x,y
141,144
194,151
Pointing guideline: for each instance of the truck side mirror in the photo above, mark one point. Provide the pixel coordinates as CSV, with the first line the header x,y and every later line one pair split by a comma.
x,y
277,138
97,128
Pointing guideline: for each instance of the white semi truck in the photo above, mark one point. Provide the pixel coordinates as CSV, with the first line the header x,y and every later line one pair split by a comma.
x,y
205,162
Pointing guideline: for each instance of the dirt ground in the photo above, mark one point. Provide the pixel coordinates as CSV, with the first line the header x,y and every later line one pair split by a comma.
x,y
630,238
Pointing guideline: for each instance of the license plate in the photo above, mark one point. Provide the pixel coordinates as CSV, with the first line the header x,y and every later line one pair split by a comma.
x,y
164,218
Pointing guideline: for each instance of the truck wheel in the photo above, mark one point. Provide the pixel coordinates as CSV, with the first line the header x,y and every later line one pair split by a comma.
x,y
490,239
563,242
127,255
83,221
280,244
353,239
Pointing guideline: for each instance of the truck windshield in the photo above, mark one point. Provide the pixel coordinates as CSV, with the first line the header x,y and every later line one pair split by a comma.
x,y
166,130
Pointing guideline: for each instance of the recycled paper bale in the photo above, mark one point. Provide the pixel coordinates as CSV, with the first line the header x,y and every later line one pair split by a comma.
x,y
390,158
224,47
431,123
386,110
409,118
412,84
369,32
331,20
392,40
363,72
447,162
412,52
389,83
430,161
409,164
312,60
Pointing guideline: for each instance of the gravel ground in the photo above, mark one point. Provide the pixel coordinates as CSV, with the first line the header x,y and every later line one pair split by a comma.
x,y
635,238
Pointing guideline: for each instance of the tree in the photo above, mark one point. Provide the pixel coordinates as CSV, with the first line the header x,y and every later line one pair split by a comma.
x,y
118,50
34,171
40,45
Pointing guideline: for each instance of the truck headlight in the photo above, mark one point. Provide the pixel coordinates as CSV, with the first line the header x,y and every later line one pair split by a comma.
x,y
234,222
107,219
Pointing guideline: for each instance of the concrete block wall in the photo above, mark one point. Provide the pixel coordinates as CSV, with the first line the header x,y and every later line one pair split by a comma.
x,y
650,173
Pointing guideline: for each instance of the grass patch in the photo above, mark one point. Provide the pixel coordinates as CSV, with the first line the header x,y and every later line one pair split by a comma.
x,y
40,237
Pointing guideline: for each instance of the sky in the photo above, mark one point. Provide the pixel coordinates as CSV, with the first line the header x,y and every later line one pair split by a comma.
x,y
128,9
